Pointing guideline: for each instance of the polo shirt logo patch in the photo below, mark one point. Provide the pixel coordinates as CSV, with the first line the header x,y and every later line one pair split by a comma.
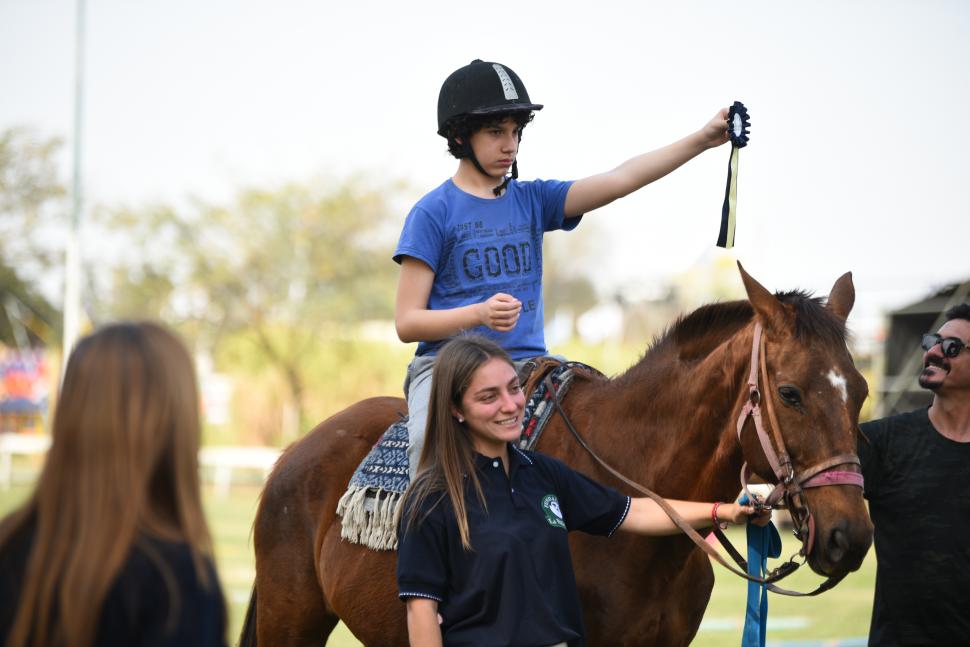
x,y
550,506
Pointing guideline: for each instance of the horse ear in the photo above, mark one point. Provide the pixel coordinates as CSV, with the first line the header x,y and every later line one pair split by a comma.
x,y
767,308
842,297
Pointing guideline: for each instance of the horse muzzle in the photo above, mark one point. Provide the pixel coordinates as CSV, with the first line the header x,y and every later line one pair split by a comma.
x,y
842,529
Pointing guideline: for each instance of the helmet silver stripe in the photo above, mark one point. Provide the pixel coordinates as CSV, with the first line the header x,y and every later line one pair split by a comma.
x,y
507,86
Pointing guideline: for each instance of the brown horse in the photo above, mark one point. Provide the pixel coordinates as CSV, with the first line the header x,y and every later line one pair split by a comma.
x,y
667,423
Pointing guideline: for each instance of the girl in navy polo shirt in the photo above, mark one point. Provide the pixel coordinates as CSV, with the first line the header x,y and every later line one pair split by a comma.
x,y
483,557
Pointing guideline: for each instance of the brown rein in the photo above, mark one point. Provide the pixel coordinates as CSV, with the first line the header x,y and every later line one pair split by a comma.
x,y
789,486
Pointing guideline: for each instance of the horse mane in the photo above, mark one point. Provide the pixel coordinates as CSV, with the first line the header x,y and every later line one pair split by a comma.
x,y
701,331
695,335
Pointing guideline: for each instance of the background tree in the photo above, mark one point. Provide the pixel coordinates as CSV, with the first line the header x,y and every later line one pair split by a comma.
x,y
31,214
568,286
282,269
27,319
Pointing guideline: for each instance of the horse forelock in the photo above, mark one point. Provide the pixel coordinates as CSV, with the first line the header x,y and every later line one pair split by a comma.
x,y
812,319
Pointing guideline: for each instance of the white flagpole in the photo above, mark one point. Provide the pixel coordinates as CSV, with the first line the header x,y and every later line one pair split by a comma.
x,y
72,257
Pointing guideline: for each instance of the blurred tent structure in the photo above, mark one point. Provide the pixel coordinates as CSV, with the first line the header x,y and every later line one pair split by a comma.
x,y
27,328
24,389
899,390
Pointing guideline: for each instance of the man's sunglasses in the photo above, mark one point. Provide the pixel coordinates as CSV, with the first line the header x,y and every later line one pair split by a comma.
x,y
951,346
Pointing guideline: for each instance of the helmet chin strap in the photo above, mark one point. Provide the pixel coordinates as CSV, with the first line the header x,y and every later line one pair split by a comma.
x,y
497,190
515,175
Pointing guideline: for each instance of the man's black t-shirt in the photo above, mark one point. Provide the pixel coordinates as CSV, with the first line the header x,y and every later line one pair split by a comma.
x,y
918,485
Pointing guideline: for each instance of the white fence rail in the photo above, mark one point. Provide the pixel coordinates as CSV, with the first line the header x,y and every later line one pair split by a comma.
x,y
24,444
226,459
223,461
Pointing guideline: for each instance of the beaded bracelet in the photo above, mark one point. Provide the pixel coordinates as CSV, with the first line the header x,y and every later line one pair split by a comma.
x,y
717,522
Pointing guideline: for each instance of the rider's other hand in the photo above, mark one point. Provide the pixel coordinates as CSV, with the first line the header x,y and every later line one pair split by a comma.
x,y
501,312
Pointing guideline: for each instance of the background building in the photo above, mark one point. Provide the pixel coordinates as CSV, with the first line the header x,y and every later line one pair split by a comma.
x,y
903,357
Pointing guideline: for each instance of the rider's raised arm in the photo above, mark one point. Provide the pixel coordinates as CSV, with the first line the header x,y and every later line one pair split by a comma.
x,y
595,191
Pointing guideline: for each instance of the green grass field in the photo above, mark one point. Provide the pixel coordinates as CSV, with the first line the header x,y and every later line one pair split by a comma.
x,y
842,613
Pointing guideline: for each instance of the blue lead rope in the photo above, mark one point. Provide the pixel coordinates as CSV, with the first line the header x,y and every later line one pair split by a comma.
x,y
763,542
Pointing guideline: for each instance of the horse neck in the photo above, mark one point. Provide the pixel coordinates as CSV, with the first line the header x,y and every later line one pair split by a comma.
x,y
675,420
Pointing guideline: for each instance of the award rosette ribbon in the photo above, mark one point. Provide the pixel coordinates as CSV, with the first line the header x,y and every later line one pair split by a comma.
x,y
738,124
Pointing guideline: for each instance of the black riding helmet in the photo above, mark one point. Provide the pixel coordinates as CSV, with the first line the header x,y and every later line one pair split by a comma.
x,y
482,88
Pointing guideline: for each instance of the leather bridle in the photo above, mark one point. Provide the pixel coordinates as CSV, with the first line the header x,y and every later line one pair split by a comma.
x,y
789,487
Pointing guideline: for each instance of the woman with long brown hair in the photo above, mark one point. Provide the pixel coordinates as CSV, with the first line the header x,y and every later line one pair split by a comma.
x,y
483,557
112,547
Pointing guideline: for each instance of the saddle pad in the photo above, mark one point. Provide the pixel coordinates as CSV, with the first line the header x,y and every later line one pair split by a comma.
x,y
368,507
540,407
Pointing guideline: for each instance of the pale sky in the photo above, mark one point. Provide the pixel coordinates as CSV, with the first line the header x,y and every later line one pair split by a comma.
x,y
859,139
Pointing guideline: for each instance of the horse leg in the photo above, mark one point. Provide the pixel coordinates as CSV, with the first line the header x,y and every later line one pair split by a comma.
x,y
360,585
291,612
655,596
306,577
247,637
272,634
290,608
682,614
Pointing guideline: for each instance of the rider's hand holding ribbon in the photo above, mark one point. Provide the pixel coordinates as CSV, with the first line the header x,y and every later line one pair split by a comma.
x,y
738,123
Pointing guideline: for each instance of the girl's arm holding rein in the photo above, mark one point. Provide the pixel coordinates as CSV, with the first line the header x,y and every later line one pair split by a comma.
x,y
648,518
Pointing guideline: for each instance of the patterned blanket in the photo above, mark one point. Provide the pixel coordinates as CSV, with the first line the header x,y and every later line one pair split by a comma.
x,y
540,407
369,506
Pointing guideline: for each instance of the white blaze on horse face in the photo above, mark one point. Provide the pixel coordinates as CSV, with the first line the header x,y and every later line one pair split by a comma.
x,y
836,380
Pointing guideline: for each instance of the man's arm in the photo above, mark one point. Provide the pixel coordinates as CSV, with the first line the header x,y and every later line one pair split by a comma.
x,y
415,322
598,190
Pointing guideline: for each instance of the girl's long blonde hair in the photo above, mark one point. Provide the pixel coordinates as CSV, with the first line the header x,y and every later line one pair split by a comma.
x,y
123,465
448,455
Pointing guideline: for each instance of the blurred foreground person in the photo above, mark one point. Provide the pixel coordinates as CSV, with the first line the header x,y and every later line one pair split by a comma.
x,y
112,548
917,471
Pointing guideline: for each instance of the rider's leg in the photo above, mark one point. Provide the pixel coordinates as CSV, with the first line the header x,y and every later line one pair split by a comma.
x,y
417,390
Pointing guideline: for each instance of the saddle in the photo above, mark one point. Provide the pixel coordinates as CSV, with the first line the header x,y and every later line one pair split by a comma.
x,y
369,506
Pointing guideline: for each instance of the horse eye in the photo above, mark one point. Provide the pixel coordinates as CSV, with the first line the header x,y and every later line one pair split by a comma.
x,y
791,395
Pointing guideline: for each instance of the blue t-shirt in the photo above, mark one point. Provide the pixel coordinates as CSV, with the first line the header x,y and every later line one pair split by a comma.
x,y
479,246
516,587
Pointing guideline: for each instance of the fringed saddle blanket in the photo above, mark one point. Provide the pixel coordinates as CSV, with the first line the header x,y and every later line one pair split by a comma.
x,y
368,507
